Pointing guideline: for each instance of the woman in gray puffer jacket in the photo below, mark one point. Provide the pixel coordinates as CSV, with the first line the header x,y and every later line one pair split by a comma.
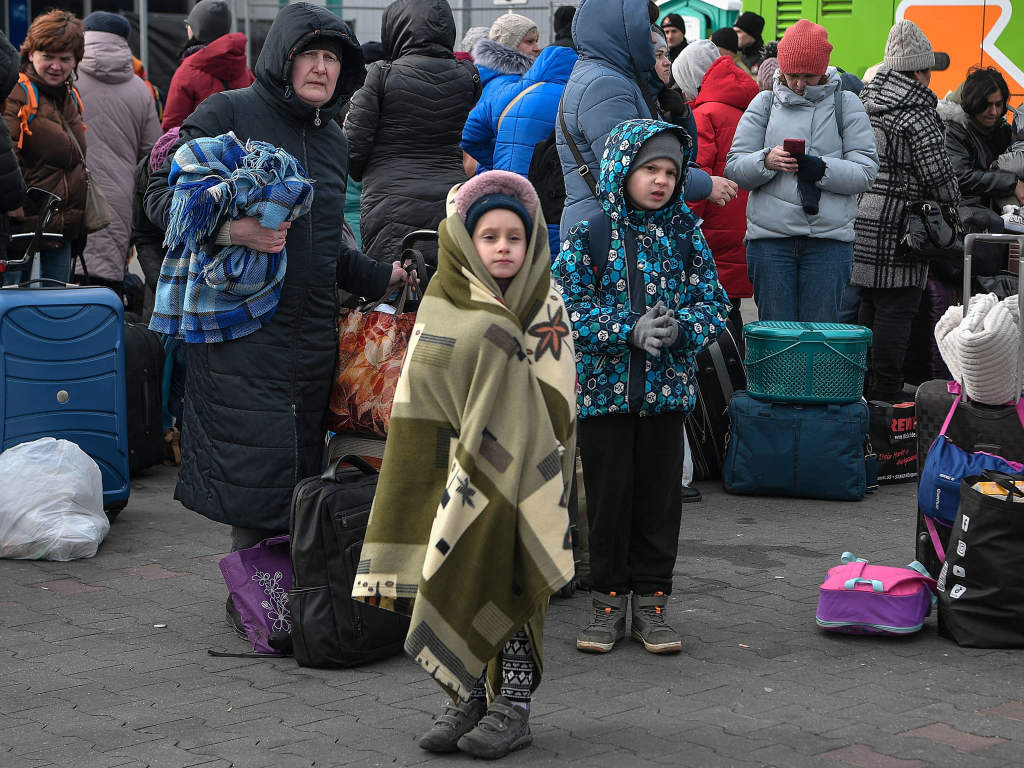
x,y
802,205
914,166
404,125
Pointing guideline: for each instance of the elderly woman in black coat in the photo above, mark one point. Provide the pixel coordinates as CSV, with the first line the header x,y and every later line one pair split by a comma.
x,y
254,406
405,124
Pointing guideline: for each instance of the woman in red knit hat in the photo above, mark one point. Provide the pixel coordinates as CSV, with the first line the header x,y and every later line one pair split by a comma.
x,y
805,150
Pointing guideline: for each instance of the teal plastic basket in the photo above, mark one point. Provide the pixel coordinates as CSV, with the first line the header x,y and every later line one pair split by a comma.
x,y
806,362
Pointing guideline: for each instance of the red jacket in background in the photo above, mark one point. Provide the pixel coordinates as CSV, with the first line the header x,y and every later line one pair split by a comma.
x,y
725,92
219,66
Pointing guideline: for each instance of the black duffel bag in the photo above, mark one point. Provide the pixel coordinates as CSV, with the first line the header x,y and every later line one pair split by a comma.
x,y
981,585
933,231
328,523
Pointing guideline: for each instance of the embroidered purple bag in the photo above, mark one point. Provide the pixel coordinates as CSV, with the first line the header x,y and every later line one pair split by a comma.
x,y
258,580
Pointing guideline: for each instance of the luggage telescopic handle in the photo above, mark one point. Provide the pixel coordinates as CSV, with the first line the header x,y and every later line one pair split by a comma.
x,y
969,241
331,473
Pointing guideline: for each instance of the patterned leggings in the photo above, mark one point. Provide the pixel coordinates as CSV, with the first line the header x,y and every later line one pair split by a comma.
x,y
516,671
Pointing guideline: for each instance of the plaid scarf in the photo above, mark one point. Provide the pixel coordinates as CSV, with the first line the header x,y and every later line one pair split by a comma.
x,y
207,294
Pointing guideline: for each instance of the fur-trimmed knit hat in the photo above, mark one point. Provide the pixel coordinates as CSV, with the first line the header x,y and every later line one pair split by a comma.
x,y
103,21
510,29
908,49
804,49
496,189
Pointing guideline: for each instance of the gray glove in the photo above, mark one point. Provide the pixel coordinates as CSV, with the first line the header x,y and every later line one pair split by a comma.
x,y
656,329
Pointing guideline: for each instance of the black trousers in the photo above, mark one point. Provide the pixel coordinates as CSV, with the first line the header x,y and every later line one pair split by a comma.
x,y
889,313
632,473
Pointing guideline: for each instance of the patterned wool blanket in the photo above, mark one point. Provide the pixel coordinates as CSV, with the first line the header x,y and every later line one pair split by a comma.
x,y
207,293
469,533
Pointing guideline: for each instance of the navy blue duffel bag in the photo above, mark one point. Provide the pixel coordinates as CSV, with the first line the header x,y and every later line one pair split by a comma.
x,y
784,449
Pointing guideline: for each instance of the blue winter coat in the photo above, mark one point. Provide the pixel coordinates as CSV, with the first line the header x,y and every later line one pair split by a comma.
x,y
532,104
498,66
616,56
673,264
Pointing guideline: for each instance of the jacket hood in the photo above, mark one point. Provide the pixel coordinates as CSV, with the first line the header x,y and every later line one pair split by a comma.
x,y
620,147
425,27
107,57
812,93
500,58
554,65
295,25
889,90
950,110
224,58
617,32
10,64
726,83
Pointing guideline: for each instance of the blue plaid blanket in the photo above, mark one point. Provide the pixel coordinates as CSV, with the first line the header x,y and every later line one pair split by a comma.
x,y
208,293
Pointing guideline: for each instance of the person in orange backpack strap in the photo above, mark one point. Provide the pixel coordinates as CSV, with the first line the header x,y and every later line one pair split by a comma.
x,y
44,116
213,61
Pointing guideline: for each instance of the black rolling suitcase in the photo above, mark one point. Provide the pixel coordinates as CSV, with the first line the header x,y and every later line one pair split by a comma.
x,y
328,523
144,369
974,427
719,373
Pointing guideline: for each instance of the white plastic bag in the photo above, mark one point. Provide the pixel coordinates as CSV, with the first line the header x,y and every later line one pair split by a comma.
x,y
51,502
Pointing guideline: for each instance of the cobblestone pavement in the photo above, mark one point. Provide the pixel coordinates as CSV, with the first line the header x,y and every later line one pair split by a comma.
x,y
103,663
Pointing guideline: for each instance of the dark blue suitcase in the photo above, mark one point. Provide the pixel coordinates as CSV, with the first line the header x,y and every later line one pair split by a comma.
x,y
63,372
806,449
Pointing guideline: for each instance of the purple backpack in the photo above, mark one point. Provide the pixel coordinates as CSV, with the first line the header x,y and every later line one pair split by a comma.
x,y
258,580
863,599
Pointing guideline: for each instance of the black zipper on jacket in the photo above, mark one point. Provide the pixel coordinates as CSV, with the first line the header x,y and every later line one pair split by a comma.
x,y
637,304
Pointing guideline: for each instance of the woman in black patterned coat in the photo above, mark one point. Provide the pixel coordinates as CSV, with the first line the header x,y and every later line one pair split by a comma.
x,y
913,166
405,124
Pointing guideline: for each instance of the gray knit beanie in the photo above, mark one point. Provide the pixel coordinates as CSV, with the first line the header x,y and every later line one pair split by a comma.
x,y
472,37
209,20
661,145
908,49
510,29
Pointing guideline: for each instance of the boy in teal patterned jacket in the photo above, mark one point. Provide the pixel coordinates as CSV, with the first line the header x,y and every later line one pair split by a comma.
x,y
643,296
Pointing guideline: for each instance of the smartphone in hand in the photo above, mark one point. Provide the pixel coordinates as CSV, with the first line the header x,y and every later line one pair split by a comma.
x,y
794,146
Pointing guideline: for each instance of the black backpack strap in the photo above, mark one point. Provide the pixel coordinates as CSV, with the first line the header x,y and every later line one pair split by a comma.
x,y
600,242
582,168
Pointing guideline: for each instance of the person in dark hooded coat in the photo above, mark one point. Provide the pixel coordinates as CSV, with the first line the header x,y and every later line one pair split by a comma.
x,y
254,406
404,125
12,185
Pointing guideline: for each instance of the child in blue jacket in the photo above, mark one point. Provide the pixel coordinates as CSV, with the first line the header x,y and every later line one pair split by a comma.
x,y
643,296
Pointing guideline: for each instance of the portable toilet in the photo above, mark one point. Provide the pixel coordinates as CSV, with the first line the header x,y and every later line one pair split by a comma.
x,y
702,17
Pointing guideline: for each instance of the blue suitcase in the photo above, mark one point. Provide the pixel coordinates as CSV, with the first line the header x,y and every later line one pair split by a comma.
x,y
63,372
809,450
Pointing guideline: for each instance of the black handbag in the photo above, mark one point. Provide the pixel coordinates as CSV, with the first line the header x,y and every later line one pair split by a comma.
x,y
932,230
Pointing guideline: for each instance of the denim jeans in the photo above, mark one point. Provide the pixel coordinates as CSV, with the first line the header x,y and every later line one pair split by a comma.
x,y
799,278
55,263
